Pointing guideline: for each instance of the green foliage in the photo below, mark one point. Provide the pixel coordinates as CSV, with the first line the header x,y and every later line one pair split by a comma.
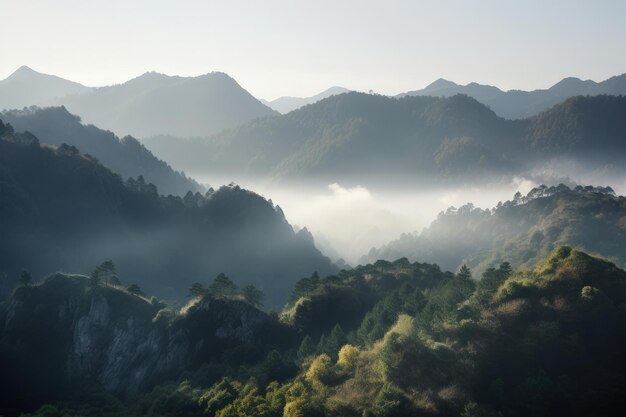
x,y
253,295
307,348
197,290
331,343
511,354
391,401
134,289
222,286
72,204
105,274
522,231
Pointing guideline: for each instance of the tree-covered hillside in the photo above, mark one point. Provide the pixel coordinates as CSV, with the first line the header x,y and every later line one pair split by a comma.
x,y
520,231
392,339
126,156
357,137
62,210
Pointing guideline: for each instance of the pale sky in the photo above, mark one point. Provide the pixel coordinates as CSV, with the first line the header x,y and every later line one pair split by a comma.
x,y
275,47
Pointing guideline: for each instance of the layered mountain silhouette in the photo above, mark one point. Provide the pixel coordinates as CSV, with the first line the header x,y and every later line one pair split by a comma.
x,y
150,104
356,136
518,104
27,87
521,230
126,157
286,104
62,210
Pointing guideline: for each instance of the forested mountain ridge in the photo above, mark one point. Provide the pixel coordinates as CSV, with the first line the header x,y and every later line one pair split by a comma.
x,y
362,137
521,230
356,135
105,336
518,104
126,156
429,342
71,213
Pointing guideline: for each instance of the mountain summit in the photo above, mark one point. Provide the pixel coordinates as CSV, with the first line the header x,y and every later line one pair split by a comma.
x,y
27,87
147,105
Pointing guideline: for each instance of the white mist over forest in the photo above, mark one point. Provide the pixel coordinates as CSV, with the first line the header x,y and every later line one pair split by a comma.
x,y
346,221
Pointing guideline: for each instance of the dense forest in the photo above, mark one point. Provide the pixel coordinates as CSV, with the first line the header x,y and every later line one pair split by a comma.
x,y
521,230
62,210
172,245
126,157
384,339
355,137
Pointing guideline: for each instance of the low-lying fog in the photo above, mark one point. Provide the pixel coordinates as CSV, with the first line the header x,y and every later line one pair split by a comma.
x,y
348,220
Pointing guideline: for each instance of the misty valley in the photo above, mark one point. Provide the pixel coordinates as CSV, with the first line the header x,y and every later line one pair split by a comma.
x,y
175,246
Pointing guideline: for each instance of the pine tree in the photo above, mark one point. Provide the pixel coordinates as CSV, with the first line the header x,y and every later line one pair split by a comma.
x,y
464,273
222,286
306,349
197,290
253,295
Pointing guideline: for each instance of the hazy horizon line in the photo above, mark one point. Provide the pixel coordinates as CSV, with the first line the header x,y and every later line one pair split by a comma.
x,y
259,97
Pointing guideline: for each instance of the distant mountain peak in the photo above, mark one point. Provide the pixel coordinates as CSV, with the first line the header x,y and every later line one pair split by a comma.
x,y
24,68
287,103
23,71
440,84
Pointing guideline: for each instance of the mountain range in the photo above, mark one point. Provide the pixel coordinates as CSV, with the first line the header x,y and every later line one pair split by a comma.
x,y
27,87
356,137
126,157
518,104
150,104
63,210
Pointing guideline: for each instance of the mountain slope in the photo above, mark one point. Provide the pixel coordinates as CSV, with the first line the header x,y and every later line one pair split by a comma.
x,y
353,136
517,104
544,341
26,87
126,156
357,137
155,103
62,210
521,231
98,335
286,104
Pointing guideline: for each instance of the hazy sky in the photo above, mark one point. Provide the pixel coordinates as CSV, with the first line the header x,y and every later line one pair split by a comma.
x,y
293,47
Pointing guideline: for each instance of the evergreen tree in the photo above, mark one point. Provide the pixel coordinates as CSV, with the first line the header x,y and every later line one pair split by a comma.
x,y
134,289
222,286
307,348
464,273
197,290
253,295
105,274
333,342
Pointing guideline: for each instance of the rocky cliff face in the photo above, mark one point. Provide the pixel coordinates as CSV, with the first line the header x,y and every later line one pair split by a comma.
x,y
77,334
